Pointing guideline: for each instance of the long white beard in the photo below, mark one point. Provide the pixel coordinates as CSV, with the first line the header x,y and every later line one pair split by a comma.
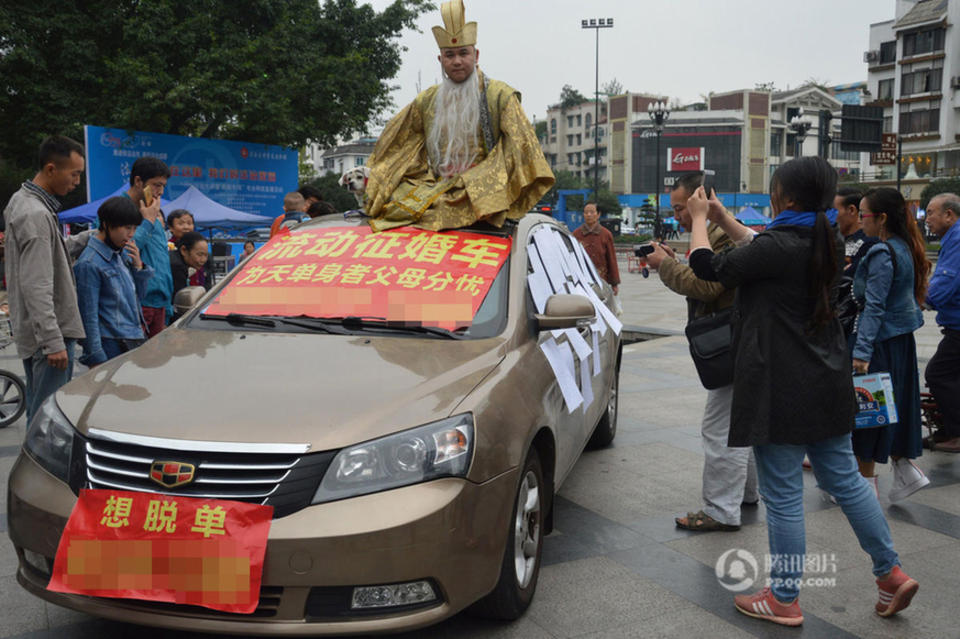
x,y
452,140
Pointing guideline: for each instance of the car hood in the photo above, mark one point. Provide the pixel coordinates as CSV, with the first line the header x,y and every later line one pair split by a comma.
x,y
328,391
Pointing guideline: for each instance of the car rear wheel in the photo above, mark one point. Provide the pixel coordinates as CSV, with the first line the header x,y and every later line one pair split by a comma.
x,y
606,428
521,560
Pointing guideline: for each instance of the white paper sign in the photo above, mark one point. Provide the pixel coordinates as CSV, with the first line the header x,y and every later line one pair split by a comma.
x,y
561,361
596,351
539,289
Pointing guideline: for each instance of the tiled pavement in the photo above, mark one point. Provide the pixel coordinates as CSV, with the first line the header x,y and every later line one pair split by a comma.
x,y
616,566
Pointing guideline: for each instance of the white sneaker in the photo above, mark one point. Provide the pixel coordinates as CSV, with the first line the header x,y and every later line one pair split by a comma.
x,y
907,479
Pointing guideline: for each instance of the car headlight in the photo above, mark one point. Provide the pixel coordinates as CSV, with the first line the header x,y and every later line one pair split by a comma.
x,y
50,440
439,449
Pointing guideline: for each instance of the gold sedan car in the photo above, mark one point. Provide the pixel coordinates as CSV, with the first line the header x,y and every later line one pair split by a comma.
x,y
411,465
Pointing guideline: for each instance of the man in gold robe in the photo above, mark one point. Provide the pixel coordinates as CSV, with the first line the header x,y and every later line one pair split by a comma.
x,y
461,152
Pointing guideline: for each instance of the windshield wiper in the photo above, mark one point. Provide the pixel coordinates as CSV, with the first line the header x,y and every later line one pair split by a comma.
x,y
315,324
238,319
352,323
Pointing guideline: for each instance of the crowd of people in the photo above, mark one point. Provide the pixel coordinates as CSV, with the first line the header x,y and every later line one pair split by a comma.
x,y
791,391
108,289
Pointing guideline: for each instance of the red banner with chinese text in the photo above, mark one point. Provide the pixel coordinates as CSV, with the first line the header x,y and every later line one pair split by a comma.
x,y
132,545
404,275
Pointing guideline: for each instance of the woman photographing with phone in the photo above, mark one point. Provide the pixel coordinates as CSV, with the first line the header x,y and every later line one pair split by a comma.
x,y
792,393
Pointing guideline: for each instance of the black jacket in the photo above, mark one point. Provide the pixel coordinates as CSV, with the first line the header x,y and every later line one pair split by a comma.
x,y
181,273
792,385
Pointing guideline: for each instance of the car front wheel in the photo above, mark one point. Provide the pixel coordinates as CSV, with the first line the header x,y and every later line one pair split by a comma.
x,y
521,561
606,429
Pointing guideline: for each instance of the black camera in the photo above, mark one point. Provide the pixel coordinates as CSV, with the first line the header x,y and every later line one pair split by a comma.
x,y
643,250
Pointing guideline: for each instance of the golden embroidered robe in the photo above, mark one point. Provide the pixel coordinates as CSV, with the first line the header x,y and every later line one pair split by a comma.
x,y
505,182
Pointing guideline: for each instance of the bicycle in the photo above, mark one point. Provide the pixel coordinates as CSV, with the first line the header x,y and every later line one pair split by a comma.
x,y
13,392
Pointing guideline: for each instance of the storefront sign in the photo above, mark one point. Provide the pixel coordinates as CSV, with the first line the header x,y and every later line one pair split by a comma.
x,y
682,159
133,545
887,154
406,275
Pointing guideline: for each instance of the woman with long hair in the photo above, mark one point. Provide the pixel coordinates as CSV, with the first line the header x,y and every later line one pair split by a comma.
x,y
891,284
792,390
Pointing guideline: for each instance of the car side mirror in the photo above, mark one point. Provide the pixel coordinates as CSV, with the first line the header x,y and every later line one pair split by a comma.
x,y
566,311
186,298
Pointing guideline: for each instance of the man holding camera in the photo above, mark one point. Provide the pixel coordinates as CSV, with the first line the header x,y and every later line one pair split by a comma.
x,y
729,474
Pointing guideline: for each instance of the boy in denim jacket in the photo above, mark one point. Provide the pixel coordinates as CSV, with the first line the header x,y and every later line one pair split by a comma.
x,y
111,282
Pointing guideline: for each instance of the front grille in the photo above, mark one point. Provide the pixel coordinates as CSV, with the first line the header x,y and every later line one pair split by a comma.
x,y
267,606
285,481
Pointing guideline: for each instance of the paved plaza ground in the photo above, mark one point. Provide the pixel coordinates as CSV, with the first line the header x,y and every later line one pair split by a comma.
x,y
616,566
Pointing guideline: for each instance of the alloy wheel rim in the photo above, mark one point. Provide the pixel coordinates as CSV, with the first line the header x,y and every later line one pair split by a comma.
x,y
612,403
9,401
526,540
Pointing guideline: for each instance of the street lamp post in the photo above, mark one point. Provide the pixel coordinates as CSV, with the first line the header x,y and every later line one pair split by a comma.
x,y
596,24
800,125
659,114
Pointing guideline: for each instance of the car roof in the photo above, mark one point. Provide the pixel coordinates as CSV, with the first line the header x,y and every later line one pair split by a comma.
x,y
511,228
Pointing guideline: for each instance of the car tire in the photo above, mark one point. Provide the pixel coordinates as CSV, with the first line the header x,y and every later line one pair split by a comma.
x,y
520,568
606,429
13,398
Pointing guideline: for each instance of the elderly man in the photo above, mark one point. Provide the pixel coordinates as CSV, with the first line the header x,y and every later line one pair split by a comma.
x,y
943,370
729,474
461,152
598,243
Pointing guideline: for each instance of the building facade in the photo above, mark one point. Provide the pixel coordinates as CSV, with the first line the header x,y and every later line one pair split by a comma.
x,y
913,66
806,103
341,159
625,110
569,144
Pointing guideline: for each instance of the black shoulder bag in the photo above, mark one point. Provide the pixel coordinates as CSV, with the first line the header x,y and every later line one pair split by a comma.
x,y
711,339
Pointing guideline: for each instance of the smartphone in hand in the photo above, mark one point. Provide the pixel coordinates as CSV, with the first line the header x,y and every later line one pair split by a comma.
x,y
709,182
148,195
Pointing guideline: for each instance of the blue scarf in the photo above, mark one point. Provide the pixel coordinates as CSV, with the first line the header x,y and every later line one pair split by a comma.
x,y
794,218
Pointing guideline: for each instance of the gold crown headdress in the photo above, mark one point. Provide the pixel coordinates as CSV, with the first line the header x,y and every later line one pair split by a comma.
x,y
456,33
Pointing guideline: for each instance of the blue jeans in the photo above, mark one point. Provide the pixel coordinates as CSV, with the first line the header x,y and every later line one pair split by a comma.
x,y
113,347
780,471
43,380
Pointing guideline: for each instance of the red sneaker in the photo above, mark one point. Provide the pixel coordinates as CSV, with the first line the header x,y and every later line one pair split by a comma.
x,y
763,605
896,591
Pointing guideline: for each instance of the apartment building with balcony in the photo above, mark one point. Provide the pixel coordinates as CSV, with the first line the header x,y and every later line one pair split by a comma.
x,y
913,66
569,144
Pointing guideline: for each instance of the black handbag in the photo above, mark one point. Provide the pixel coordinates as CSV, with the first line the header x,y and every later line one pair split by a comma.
x,y
711,339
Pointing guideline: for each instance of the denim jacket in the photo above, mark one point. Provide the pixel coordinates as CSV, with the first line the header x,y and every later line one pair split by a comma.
x,y
944,291
109,292
890,307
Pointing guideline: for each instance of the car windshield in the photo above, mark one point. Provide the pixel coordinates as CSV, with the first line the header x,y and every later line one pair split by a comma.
x,y
342,278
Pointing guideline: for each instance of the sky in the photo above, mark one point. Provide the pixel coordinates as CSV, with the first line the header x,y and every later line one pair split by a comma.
x,y
679,48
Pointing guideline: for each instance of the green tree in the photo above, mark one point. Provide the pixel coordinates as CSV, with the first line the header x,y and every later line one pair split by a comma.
x,y
541,129
564,180
265,71
607,202
570,97
332,192
613,87
936,187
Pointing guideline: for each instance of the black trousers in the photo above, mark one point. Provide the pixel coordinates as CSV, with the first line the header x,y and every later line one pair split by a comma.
x,y
943,380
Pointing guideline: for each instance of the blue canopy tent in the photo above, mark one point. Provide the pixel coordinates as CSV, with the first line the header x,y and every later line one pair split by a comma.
x,y
750,216
209,214
87,213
